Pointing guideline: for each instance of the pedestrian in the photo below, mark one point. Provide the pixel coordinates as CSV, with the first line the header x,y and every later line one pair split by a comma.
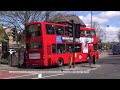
x,y
22,56
89,57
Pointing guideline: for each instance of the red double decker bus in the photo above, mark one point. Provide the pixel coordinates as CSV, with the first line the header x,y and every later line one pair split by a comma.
x,y
49,44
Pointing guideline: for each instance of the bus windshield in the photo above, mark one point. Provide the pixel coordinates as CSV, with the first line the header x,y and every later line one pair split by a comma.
x,y
87,33
35,45
33,30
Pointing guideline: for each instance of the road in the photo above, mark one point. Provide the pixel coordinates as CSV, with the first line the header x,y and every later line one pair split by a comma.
x,y
108,67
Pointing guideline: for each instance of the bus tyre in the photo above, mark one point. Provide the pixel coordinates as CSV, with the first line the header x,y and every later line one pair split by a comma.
x,y
60,62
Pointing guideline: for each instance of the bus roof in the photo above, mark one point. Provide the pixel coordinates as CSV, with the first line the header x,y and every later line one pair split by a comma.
x,y
86,28
36,22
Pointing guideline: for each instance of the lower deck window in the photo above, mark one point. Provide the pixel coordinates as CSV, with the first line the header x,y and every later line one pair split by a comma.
x,y
35,45
70,47
77,48
60,48
53,48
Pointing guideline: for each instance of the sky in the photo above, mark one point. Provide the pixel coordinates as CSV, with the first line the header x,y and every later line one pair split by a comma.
x,y
103,18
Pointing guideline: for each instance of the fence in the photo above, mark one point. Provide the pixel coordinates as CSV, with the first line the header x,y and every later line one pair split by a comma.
x,y
16,59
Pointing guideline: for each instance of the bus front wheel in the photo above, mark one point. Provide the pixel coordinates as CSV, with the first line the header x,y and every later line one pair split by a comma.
x,y
60,62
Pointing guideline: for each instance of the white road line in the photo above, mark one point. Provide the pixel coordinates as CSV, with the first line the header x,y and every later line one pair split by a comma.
x,y
19,76
48,76
4,70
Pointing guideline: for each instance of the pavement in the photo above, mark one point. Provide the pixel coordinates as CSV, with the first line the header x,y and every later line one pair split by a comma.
x,y
8,75
103,54
7,67
8,72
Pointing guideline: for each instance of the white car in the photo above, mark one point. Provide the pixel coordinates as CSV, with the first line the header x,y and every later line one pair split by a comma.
x,y
11,51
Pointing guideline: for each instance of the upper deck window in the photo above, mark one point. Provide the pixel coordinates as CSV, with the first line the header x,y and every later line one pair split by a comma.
x,y
87,33
59,30
49,29
33,30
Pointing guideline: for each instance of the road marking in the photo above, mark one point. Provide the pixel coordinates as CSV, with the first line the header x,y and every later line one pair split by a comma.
x,y
39,75
47,76
19,76
4,70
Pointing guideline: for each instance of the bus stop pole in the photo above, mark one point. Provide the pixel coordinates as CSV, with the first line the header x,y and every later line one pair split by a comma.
x,y
73,46
10,62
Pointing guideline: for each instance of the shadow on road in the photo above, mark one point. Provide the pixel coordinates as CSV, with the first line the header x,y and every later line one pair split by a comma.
x,y
48,67
109,54
114,54
111,59
36,67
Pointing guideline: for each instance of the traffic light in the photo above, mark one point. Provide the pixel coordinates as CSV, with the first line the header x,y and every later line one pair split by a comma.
x,y
77,30
18,37
14,33
70,28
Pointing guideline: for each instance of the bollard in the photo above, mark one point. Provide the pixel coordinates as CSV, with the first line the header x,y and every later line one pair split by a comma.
x,y
70,62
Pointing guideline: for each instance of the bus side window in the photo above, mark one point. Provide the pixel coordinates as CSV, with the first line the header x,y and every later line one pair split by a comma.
x,y
53,48
69,47
77,48
87,33
59,51
60,48
49,29
59,30
82,33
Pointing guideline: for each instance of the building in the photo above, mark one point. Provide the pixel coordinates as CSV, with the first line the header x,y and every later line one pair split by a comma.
x,y
8,37
3,44
60,18
11,42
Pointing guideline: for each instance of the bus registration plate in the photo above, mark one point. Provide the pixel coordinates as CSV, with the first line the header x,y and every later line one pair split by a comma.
x,y
34,56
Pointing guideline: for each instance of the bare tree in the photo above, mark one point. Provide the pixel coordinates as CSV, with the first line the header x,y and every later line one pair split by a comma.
x,y
99,31
19,19
2,35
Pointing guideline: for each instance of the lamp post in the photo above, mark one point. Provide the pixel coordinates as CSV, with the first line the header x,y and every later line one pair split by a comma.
x,y
91,19
105,36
